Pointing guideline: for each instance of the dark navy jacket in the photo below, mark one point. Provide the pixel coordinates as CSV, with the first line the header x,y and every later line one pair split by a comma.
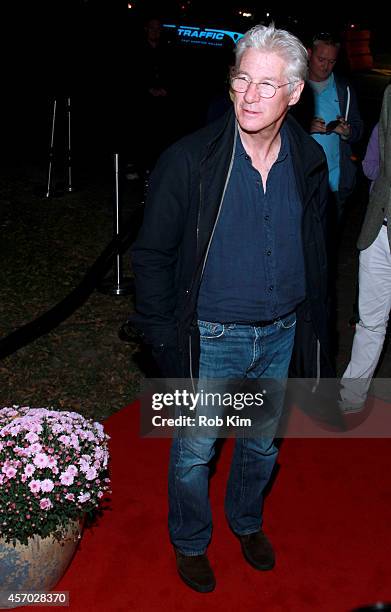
x,y
186,190
303,111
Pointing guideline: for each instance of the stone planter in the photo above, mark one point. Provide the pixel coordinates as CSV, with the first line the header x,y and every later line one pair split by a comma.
x,y
39,565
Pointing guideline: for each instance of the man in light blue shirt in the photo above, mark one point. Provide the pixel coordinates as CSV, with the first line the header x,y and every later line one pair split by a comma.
x,y
333,101
326,106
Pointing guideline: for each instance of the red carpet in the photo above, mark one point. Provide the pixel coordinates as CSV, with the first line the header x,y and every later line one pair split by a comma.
x,y
328,516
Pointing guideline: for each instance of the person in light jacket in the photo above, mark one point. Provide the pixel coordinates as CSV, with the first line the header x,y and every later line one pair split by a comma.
x,y
374,242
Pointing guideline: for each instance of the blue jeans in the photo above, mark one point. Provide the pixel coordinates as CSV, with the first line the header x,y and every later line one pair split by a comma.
x,y
235,352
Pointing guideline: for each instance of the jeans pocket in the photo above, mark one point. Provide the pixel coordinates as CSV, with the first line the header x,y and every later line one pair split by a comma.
x,y
288,321
210,331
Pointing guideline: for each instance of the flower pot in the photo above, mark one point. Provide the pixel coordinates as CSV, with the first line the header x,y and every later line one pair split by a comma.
x,y
39,565
53,466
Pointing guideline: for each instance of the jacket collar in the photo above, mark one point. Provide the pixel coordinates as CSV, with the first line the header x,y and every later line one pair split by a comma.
x,y
221,132
303,146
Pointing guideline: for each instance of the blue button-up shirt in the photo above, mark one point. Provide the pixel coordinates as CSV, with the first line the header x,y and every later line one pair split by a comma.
x,y
255,266
327,106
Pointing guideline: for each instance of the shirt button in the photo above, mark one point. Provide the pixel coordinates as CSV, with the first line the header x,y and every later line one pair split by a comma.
x,y
268,252
266,217
271,288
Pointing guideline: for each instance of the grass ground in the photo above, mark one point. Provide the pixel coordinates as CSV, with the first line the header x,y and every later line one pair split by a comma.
x,y
47,247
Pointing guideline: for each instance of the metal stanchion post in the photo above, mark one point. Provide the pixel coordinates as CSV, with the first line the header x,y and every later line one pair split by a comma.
x,y
119,285
68,181
49,187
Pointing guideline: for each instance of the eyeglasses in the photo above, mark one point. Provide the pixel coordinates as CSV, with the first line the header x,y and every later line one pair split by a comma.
x,y
240,84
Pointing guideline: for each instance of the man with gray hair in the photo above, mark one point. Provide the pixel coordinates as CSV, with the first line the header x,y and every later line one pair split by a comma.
x,y
230,272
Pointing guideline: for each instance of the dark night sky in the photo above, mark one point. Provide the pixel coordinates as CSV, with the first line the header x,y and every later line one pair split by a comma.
x,y
51,46
42,41
28,28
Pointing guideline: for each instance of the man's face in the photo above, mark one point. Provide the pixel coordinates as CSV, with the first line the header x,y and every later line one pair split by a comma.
x,y
253,112
322,60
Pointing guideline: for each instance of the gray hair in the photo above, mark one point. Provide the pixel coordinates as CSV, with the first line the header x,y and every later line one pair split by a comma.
x,y
282,43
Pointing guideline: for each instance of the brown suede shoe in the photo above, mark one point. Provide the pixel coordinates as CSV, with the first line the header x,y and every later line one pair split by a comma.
x,y
257,550
195,572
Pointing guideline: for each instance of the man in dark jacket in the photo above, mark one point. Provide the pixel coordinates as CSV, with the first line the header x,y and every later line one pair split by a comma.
x,y
230,262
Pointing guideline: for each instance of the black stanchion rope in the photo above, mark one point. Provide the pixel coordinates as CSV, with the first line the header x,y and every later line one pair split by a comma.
x,y
61,311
